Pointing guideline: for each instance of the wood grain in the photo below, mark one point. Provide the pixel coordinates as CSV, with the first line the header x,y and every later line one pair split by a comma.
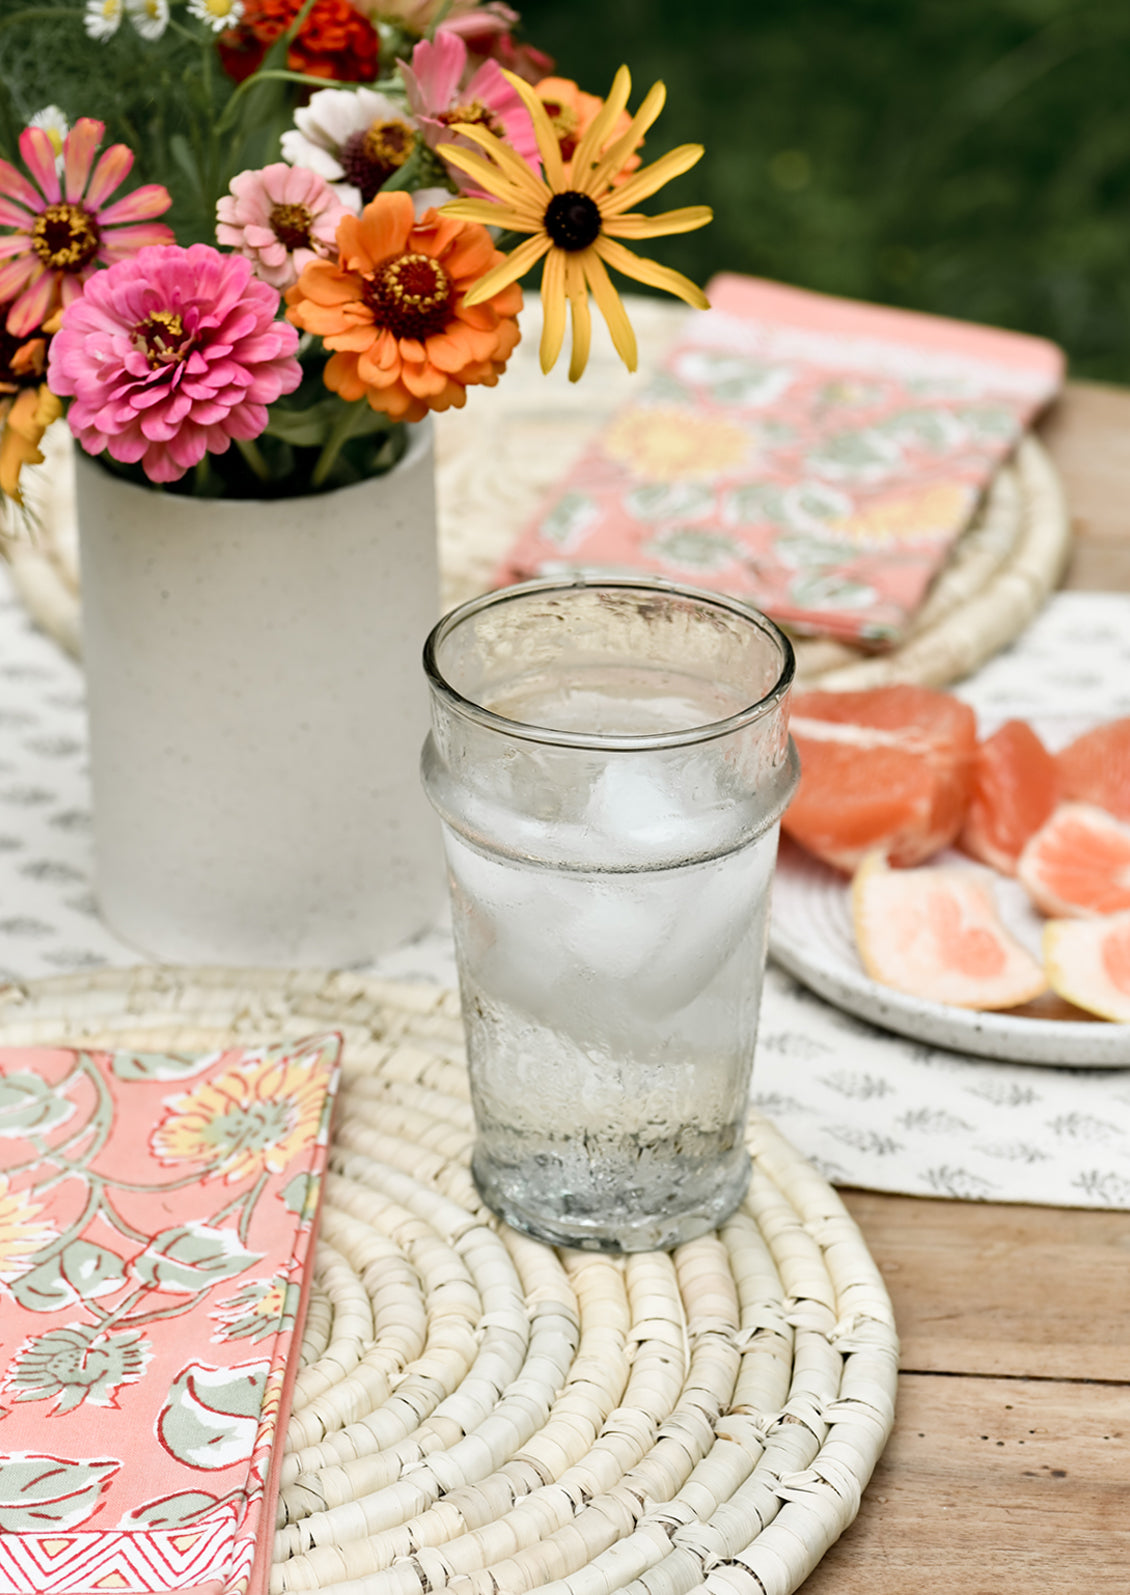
x,y
986,1288
993,1487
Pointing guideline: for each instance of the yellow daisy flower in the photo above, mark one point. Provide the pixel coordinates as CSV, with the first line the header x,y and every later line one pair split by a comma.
x,y
576,217
22,1232
249,1121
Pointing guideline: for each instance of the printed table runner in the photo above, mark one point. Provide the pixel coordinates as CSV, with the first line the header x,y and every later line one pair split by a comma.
x,y
814,455
156,1230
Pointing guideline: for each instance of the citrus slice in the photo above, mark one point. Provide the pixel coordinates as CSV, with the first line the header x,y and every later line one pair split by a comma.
x,y
889,768
1088,962
1078,863
937,933
1015,789
1095,768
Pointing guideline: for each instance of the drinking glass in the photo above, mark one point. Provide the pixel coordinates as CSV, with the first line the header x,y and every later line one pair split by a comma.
x,y
610,760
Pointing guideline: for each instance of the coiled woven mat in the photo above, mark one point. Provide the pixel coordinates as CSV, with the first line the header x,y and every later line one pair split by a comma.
x,y
479,1414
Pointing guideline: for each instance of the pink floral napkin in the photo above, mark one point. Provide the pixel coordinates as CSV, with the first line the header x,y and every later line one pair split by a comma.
x,y
814,455
156,1233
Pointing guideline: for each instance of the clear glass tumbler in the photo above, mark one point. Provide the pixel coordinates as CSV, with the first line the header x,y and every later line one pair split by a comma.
x,y
610,760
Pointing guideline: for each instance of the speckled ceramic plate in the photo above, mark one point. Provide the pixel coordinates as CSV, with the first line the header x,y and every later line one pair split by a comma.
x,y
813,938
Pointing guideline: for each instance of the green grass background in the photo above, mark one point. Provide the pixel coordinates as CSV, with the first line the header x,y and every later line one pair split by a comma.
x,y
968,157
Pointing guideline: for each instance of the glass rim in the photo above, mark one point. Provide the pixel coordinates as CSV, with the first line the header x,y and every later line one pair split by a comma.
x,y
606,742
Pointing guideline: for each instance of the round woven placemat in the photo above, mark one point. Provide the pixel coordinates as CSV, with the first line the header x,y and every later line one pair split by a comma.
x,y
479,1414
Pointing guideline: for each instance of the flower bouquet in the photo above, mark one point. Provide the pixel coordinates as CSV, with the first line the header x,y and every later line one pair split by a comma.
x,y
339,202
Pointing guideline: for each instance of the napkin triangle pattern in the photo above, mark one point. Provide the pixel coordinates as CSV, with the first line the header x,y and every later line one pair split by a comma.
x,y
157,1217
816,456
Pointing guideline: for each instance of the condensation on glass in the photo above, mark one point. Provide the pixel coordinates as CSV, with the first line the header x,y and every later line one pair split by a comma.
x,y
610,760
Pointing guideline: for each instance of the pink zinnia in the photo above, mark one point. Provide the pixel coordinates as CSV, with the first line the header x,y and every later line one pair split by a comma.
x,y
281,217
440,98
61,234
170,355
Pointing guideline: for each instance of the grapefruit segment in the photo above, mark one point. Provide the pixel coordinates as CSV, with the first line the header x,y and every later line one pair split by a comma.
x,y
1088,962
1095,768
1078,863
888,768
937,934
1015,789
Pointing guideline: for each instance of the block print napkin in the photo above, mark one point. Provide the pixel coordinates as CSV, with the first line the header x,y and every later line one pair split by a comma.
x,y
816,456
156,1235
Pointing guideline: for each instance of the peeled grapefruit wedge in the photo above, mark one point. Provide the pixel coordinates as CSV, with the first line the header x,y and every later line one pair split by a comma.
x,y
937,933
1015,789
1088,962
1078,863
889,768
1095,768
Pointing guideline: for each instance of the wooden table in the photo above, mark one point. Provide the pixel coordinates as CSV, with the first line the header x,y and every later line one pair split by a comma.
x,y
1008,1472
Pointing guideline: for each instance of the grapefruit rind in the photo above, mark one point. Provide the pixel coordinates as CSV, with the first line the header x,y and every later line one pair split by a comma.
x,y
937,934
1088,963
1078,864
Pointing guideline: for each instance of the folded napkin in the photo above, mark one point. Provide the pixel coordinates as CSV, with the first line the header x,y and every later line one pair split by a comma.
x,y
816,456
157,1217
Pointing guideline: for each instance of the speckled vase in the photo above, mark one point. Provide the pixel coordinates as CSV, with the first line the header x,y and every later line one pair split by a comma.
x,y
257,710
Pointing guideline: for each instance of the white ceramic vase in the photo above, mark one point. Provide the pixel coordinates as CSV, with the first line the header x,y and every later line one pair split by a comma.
x,y
257,708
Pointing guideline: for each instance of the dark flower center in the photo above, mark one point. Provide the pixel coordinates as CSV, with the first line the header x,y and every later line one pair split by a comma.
x,y
370,156
572,220
291,225
163,338
410,295
477,114
564,122
65,237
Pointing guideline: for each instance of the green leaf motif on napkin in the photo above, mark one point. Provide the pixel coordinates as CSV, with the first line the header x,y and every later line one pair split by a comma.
x,y
211,1417
184,1508
134,1066
39,1491
82,1271
193,1257
30,1106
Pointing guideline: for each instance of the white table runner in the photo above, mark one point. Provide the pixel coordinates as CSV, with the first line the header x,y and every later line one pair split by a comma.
x,y
868,1108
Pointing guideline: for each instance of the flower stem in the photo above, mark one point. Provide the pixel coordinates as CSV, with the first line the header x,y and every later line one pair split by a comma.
x,y
340,433
254,458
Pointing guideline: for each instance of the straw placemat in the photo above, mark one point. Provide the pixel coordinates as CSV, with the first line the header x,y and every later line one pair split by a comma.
x,y
483,1415
498,458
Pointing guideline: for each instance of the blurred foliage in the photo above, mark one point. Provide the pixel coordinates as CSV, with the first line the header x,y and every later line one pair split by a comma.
x,y
968,157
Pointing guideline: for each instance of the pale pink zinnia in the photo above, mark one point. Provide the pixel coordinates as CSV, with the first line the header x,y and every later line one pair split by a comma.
x,y
170,355
281,217
439,97
62,232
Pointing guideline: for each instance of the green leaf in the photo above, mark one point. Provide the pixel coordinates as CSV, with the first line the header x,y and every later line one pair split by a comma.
x,y
173,1511
300,1195
29,1105
193,1257
133,1066
81,1272
39,1491
211,1417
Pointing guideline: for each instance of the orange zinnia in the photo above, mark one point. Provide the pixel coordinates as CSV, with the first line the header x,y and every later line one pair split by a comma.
x,y
393,309
572,112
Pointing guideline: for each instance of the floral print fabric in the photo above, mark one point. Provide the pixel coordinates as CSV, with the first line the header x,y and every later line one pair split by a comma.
x,y
816,456
156,1226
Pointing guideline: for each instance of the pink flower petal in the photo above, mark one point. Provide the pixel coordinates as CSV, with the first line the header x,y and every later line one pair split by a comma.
x,y
119,243
13,245
39,158
28,311
15,185
151,199
78,155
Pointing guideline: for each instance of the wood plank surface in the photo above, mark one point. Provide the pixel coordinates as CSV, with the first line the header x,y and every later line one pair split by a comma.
x,y
993,1487
1087,433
